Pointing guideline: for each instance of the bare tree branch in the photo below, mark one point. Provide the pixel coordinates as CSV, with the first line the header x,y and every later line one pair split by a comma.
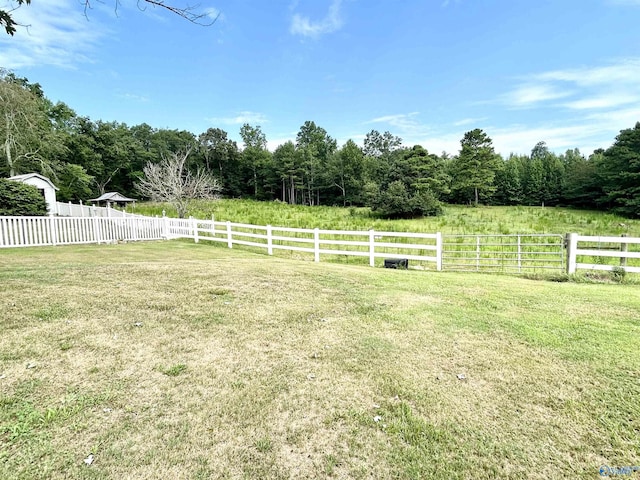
x,y
191,13
170,181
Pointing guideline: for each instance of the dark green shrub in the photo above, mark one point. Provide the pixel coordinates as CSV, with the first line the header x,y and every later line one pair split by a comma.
x,y
618,274
426,204
18,198
397,202
393,202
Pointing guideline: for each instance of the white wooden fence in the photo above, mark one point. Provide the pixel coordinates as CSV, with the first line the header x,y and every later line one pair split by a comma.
x,y
602,252
41,231
582,252
421,247
75,210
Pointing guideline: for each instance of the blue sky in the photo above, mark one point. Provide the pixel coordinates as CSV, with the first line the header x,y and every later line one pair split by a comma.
x,y
565,72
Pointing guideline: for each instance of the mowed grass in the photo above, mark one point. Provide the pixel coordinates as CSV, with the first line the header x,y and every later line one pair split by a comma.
x,y
180,360
456,220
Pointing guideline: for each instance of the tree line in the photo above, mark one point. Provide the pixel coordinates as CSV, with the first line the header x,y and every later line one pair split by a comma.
x,y
86,158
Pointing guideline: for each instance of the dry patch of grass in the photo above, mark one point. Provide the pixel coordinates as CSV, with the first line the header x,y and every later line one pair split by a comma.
x,y
175,360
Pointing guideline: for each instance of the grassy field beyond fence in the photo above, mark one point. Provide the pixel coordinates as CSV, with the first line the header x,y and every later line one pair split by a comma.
x,y
460,226
457,219
178,360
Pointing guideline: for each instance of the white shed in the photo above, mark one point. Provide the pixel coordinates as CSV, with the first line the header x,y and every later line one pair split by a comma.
x,y
46,187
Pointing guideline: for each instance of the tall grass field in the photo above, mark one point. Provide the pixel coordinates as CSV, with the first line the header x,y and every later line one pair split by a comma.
x,y
458,220
178,360
460,226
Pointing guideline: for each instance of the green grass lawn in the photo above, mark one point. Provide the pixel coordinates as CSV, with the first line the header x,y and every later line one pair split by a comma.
x,y
458,220
181,360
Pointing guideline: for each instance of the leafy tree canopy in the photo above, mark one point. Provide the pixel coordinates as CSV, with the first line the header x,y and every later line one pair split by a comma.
x,y
619,169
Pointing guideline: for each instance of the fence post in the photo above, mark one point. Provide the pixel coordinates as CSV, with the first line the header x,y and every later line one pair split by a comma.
x,y
624,247
165,226
96,232
519,255
229,235
372,248
269,241
572,246
81,209
108,209
478,253
194,228
439,251
54,229
316,244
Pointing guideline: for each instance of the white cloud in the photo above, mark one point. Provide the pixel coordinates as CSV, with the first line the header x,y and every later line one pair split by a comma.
x,y
606,98
522,138
531,94
333,21
625,71
132,96
57,34
273,143
413,132
252,118
602,102
617,119
468,121
213,14
598,87
405,125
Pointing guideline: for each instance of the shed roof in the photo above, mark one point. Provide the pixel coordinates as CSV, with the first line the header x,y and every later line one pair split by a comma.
x,y
112,197
27,176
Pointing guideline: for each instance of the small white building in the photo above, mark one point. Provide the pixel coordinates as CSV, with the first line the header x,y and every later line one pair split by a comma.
x,y
46,187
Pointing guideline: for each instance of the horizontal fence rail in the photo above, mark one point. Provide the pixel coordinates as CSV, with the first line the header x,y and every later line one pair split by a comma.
x,y
503,253
420,247
518,253
42,231
603,253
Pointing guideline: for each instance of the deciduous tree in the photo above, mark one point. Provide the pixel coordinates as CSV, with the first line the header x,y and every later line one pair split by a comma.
x,y
255,153
221,154
23,122
315,147
345,171
170,181
285,161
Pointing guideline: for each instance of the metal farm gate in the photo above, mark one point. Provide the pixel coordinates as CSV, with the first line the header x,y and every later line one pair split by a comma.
x,y
503,253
